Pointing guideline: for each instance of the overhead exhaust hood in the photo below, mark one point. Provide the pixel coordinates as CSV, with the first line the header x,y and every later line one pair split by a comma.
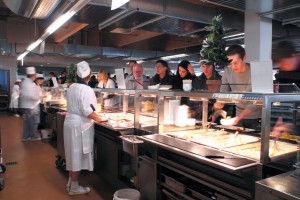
x,y
32,8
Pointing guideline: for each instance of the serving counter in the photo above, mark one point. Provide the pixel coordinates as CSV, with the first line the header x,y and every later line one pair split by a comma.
x,y
224,160
197,160
283,186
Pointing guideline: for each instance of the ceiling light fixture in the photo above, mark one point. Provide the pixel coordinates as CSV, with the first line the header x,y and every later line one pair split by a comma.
x,y
174,56
117,3
60,21
20,57
54,26
34,45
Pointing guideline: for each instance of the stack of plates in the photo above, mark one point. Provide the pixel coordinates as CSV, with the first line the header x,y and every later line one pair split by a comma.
x,y
165,87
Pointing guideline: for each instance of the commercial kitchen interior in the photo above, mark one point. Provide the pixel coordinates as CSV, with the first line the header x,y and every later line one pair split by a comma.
x,y
144,30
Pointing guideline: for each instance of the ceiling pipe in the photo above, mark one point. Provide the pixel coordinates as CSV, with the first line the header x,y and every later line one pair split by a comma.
x,y
222,5
122,14
291,21
280,10
193,31
148,22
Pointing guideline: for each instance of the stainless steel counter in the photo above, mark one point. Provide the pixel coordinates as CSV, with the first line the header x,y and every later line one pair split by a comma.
x,y
283,186
207,155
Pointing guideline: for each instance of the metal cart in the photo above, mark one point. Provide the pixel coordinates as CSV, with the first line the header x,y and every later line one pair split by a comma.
x,y
60,161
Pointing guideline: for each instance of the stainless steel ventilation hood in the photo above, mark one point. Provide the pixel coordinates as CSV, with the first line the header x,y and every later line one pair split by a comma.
x,y
33,8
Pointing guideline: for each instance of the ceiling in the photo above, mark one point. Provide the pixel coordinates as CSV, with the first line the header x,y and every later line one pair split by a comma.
x,y
142,29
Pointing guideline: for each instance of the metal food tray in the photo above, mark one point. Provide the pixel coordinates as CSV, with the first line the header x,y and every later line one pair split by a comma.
x,y
198,133
253,150
225,141
235,128
121,121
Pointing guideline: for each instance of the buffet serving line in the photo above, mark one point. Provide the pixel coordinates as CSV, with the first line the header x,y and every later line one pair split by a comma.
x,y
144,144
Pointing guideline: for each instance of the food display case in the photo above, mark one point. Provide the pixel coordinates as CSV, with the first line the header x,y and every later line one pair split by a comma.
x,y
116,146
257,145
54,96
228,159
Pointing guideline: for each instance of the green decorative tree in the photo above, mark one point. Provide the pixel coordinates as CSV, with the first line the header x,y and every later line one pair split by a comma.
x,y
71,73
213,47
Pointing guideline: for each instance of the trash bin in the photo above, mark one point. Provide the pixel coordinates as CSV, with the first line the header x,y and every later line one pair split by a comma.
x,y
127,194
46,133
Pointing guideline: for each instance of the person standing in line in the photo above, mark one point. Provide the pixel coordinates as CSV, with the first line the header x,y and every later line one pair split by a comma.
x,y
39,80
130,66
163,74
287,58
79,129
209,73
93,82
14,102
63,77
237,78
185,71
51,75
106,82
30,99
137,80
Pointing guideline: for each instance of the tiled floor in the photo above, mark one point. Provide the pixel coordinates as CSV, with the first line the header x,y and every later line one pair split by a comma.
x,y
35,176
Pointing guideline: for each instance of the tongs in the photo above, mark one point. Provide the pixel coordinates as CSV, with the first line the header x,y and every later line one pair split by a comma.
x,y
218,113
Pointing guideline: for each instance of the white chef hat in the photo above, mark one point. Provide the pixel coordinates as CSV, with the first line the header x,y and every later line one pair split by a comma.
x,y
30,70
40,76
83,69
19,80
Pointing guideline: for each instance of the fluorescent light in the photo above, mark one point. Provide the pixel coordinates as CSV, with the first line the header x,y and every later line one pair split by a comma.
x,y
60,21
234,35
55,25
34,45
174,56
20,57
117,3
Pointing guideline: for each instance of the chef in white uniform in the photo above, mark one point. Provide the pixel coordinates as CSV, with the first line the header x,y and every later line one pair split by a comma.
x,y
14,102
30,106
79,128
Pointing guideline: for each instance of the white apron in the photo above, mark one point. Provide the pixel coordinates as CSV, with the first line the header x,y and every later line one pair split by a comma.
x,y
78,141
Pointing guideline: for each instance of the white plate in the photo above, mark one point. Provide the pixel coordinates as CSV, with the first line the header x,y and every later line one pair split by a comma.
x,y
165,87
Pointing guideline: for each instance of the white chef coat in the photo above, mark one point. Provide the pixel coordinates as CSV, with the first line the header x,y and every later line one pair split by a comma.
x,y
30,96
78,128
14,102
111,101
